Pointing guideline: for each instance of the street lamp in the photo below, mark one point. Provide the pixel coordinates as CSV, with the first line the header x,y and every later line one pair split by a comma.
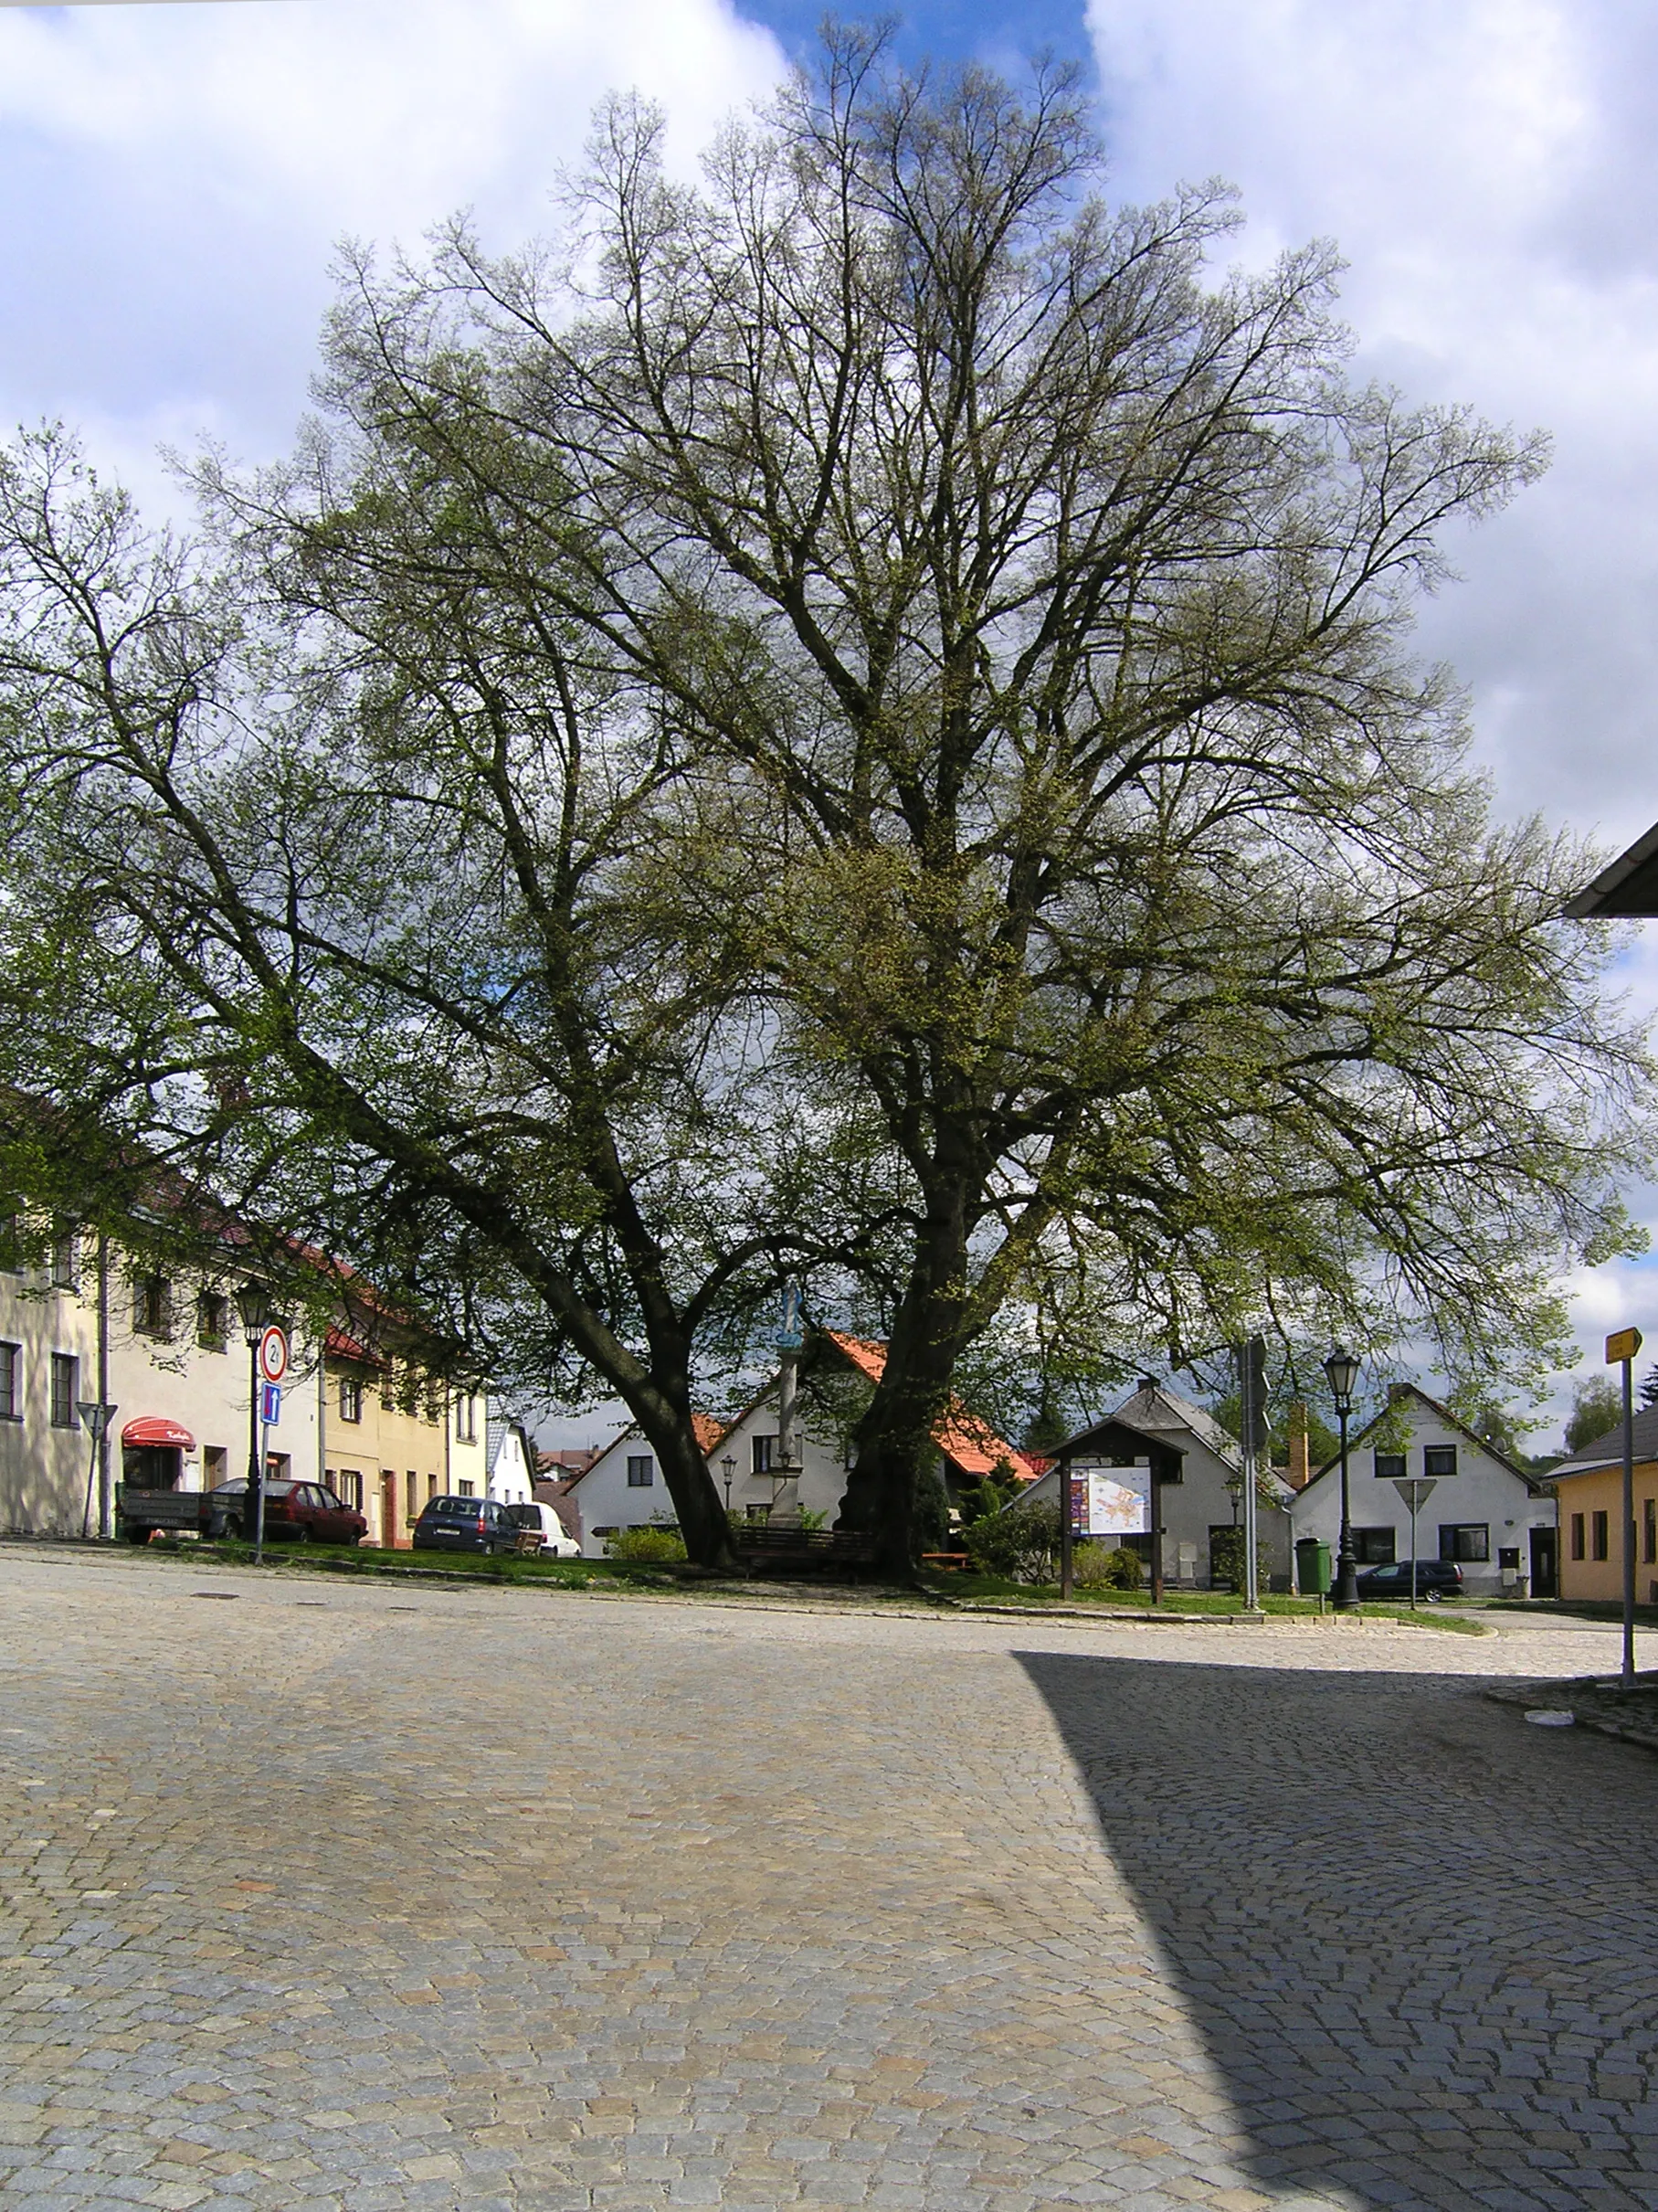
x,y
728,1468
1234,1491
1341,1372
253,1303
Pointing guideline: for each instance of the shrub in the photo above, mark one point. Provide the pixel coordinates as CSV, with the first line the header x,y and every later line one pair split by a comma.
x,y
1226,1560
657,1546
1018,1544
1095,1568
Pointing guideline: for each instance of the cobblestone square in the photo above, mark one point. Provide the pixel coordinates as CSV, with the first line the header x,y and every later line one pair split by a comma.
x,y
323,1893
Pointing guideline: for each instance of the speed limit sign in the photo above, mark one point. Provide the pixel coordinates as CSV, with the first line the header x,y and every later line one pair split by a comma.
x,y
273,1353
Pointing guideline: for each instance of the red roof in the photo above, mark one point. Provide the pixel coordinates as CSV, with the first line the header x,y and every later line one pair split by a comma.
x,y
155,1428
965,1441
339,1345
708,1430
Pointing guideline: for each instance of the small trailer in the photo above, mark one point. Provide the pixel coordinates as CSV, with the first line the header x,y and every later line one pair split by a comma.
x,y
140,1513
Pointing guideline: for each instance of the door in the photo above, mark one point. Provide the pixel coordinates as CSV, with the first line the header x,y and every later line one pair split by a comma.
x,y
388,1510
1543,1571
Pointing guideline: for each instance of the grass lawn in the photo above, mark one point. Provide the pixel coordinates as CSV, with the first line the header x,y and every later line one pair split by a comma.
x,y
997,1590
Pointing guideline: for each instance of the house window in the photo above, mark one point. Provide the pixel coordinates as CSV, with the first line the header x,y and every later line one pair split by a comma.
x,y
11,1242
11,1381
1648,1531
1438,1461
349,1483
351,1398
1373,1546
1464,1541
152,1306
463,1489
431,1488
215,1466
1597,1535
765,1454
66,1258
212,1320
1389,1466
758,1515
1577,1536
641,1472
66,1389
411,1492
466,1420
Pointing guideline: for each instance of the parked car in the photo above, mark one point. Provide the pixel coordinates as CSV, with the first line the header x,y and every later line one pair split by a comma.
x,y
295,1512
1435,1578
464,1524
539,1519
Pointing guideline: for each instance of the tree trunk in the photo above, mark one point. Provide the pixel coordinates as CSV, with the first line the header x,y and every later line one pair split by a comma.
x,y
894,1443
696,1503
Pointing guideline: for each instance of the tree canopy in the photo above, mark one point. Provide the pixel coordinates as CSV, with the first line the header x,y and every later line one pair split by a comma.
x,y
857,717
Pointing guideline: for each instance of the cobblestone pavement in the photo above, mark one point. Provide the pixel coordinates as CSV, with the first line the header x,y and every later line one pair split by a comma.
x,y
365,1895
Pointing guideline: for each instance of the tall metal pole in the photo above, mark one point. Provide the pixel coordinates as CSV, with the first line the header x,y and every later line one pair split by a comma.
x,y
1629,1525
1065,1510
1346,1569
1155,1491
253,1516
106,1494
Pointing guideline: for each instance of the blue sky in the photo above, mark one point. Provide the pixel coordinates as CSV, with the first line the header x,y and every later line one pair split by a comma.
x,y
173,177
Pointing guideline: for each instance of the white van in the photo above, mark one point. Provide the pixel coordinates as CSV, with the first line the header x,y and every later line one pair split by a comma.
x,y
556,1544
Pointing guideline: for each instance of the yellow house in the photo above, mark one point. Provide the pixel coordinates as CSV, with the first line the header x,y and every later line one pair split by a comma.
x,y
395,1437
1589,1488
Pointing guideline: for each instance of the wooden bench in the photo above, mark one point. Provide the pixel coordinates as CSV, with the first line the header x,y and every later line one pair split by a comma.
x,y
952,1562
765,1550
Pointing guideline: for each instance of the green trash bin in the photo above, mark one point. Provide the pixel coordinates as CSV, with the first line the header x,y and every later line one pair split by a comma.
x,y
1313,1566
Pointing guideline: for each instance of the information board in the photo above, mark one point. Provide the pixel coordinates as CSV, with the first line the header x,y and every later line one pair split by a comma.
x,y
1110,1501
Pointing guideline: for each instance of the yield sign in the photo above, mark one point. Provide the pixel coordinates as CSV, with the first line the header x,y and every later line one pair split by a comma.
x,y
1415,1489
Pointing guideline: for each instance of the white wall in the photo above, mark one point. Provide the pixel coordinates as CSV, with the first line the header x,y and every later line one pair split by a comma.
x,y
1483,1492
43,1469
606,1500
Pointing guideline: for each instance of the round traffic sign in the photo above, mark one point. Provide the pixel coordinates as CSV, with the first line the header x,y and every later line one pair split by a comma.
x,y
273,1353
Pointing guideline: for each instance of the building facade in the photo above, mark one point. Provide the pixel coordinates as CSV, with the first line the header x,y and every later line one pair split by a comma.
x,y
396,1436
1588,1490
1206,1499
1492,1518
166,1349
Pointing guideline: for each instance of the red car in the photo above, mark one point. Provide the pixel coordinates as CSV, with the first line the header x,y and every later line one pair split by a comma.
x,y
298,1512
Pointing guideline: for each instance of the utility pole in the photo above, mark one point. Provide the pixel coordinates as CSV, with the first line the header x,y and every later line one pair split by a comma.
x,y
1620,1349
1252,1391
789,1338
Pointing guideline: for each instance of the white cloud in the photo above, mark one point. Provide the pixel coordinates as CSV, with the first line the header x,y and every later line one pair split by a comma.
x,y
1489,169
172,179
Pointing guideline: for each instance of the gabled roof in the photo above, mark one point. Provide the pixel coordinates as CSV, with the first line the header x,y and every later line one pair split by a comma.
x,y
1156,1407
1628,886
1442,1413
709,1431
1607,1451
965,1441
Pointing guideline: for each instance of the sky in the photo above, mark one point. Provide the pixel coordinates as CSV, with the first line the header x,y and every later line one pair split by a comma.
x,y
174,178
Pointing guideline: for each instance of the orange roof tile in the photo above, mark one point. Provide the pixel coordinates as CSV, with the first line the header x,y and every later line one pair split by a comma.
x,y
964,1440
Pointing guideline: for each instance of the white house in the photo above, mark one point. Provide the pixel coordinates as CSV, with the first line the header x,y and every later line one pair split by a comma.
x,y
1488,1515
511,1465
624,1487
1206,1500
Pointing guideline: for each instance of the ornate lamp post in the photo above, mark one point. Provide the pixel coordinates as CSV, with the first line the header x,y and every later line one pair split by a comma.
x,y
728,1468
253,1306
1341,1372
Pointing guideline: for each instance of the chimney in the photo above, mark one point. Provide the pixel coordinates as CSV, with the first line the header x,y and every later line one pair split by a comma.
x,y
1301,1472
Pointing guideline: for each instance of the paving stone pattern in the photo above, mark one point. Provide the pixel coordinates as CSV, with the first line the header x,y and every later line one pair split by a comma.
x,y
361,1896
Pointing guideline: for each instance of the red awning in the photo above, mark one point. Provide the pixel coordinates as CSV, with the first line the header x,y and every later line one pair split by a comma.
x,y
155,1429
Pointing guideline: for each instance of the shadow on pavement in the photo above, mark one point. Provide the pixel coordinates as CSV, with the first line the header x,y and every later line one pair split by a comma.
x,y
1418,1937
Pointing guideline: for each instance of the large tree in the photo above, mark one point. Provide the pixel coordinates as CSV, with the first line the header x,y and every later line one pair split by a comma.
x,y
1046,599
988,630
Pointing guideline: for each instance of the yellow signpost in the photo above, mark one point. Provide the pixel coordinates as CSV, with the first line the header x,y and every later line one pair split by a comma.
x,y
1620,1349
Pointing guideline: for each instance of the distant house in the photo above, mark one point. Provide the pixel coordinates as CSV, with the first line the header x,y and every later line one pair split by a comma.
x,y
1492,1518
623,1488
1588,1486
511,1479
1206,1499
